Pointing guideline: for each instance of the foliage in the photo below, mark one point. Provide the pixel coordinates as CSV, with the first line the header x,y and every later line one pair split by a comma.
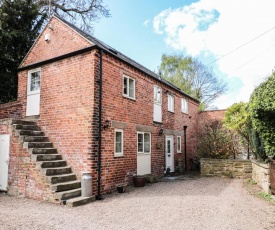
x,y
237,118
20,23
262,110
192,77
214,141
257,144
19,26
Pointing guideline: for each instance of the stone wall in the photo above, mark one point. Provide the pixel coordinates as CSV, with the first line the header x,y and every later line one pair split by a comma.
x,y
226,168
261,175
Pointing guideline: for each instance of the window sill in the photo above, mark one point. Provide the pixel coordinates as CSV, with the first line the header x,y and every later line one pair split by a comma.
x,y
157,122
185,112
171,111
118,156
143,154
125,96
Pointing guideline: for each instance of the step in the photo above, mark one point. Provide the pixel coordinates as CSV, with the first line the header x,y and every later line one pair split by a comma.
x,y
66,186
27,127
77,201
37,145
22,132
42,151
65,195
61,178
22,122
56,171
34,139
46,157
52,164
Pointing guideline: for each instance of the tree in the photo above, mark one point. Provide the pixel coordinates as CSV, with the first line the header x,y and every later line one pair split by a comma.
x,y
192,77
20,23
19,26
214,140
237,118
262,110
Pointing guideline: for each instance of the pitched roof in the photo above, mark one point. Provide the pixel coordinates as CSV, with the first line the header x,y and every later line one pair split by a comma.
x,y
122,57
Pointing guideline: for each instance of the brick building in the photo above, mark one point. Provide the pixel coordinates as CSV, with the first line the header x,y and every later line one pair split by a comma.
x,y
84,106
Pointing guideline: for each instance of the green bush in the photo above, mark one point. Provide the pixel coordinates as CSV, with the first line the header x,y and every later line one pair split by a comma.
x,y
262,112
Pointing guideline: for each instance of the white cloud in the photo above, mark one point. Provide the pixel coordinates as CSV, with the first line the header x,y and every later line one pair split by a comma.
x,y
218,27
146,22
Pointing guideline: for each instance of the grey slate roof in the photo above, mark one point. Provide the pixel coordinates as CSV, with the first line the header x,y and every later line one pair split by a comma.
x,y
123,57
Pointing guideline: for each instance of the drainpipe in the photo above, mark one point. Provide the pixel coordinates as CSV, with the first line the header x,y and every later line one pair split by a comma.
x,y
99,196
185,157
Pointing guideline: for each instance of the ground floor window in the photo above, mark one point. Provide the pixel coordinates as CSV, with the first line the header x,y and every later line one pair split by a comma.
x,y
118,142
178,144
144,142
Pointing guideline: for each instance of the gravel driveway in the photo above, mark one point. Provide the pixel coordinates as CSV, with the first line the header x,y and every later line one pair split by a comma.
x,y
202,203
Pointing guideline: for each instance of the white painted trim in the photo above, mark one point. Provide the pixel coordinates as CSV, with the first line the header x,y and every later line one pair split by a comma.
x,y
143,153
122,143
128,87
179,138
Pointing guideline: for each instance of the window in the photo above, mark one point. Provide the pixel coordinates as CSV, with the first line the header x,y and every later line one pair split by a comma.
x,y
34,81
171,103
157,95
178,144
128,87
118,143
184,105
144,142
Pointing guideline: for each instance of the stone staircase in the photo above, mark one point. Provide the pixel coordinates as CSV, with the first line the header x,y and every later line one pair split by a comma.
x,y
63,182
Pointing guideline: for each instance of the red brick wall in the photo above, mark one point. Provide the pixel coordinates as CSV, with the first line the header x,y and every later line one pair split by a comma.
x,y
63,40
11,110
24,179
212,115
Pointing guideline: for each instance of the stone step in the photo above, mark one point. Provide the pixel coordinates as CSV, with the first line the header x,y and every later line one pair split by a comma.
x,y
34,139
52,164
46,157
66,186
21,132
65,195
22,122
77,201
37,145
61,178
56,171
42,151
27,127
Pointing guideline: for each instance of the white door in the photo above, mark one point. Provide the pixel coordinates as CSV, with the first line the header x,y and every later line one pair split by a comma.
x,y
169,153
144,153
4,161
33,92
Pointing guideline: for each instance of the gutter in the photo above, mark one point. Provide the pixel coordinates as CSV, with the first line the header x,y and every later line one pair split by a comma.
x,y
99,196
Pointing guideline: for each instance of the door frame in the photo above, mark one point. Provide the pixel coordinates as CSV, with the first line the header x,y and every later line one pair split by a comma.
x,y
4,165
172,168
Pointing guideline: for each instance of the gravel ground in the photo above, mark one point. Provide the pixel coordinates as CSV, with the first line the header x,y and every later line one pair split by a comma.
x,y
202,203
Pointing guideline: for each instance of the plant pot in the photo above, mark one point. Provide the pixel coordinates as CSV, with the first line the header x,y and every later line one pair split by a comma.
x,y
121,188
139,181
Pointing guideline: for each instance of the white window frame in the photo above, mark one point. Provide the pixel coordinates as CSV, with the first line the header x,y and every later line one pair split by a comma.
x,y
118,154
157,100
142,152
178,144
29,81
127,94
171,103
184,105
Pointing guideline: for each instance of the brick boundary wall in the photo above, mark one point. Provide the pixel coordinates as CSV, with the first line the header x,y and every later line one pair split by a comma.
x,y
11,110
261,174
226,168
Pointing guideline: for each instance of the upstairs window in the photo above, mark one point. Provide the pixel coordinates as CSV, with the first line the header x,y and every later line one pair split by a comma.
x,y
171,102
118,143
128,87
184,105
157,95
144,142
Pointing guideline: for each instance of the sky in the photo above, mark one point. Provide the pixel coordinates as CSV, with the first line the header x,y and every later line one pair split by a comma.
x,y
235,38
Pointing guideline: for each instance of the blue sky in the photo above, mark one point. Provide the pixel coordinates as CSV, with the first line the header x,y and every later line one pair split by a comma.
x,y
205,29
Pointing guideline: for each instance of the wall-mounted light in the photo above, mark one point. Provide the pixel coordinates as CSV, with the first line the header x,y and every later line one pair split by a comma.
x,y
107,124
160,132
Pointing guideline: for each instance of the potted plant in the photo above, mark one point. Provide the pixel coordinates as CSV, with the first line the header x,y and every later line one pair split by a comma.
x,y
139,181
121,188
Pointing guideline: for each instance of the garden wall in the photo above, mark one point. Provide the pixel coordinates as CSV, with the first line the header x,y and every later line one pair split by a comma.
x,y
261,175
226,168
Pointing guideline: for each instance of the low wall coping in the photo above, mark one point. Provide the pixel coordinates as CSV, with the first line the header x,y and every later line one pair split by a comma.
x,y
226,160
261,164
